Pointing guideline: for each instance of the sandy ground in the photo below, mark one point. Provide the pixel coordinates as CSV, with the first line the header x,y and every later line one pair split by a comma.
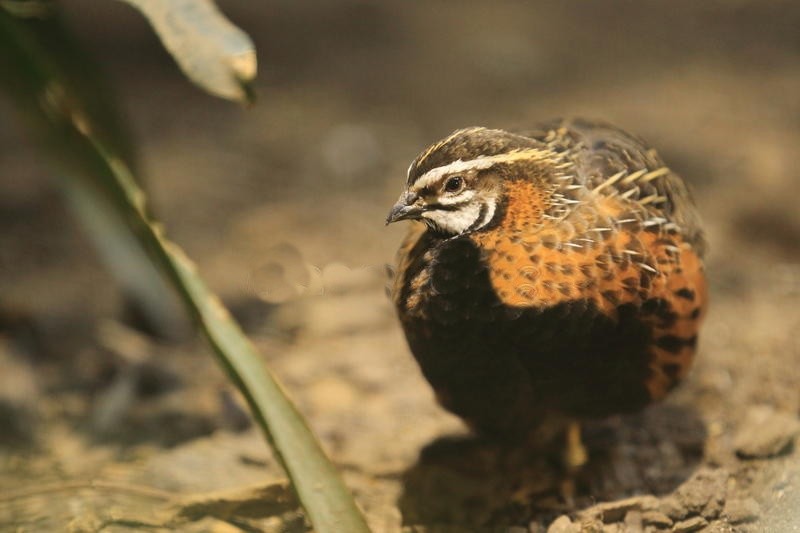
x,y
349,93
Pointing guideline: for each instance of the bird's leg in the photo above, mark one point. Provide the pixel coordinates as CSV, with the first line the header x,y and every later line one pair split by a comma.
x,y
575,455
573,458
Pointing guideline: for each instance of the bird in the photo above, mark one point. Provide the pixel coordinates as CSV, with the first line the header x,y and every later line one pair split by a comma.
x,y
550,276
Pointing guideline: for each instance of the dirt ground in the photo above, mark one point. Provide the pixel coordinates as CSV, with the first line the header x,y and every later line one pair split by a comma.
x,y
103,428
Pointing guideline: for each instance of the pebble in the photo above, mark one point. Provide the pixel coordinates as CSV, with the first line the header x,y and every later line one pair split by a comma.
x,y
656,518
739,511
591,526
714,507
690,524
563,524
673,508
765,433
634,522
610,512
703,493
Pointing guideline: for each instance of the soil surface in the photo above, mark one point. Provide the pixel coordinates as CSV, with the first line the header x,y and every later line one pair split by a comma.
x,y
105,428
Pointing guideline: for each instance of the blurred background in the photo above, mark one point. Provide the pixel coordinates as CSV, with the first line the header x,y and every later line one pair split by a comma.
x,y
348,93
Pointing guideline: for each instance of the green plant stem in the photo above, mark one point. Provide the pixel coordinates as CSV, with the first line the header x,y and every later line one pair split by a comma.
x,y
75,138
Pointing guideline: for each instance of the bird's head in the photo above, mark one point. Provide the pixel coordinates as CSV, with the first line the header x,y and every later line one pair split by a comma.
x,y
457,185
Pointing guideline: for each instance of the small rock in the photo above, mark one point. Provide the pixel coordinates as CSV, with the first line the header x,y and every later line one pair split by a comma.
x,y
703,493
690,524
673,508
714,507
610,512
591,526
563,524
657,519
634,522
765,432
739,511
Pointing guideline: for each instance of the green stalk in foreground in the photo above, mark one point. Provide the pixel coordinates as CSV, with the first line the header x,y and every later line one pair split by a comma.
x,y
319,487
62,114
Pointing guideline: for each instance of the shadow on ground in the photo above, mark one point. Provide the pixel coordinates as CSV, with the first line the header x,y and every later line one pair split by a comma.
x,y
468,481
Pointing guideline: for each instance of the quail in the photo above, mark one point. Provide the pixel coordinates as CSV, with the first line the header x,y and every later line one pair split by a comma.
x,y
556,276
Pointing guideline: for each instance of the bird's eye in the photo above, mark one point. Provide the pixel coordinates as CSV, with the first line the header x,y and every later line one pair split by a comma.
x,y
453,184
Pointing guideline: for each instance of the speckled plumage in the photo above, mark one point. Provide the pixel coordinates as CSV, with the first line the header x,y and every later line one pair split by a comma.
x,y
581,296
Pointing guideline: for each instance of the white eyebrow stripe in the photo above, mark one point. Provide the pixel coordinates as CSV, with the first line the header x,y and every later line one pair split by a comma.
x,y
435,174
479,163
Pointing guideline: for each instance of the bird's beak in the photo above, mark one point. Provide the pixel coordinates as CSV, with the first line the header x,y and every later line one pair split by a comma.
x,y
406,208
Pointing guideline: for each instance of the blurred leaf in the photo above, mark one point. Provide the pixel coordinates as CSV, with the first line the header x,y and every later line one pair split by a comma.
x,y
46,73
61,116
210,50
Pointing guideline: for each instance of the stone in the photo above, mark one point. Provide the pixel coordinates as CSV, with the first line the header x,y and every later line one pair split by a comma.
x,y
703,493
657,519
714,507
634,522
765,433
591,526
673,508
690,524
615,511
739,511
563,524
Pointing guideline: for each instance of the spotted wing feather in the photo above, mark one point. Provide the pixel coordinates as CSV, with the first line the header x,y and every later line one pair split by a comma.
x,y
601,152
